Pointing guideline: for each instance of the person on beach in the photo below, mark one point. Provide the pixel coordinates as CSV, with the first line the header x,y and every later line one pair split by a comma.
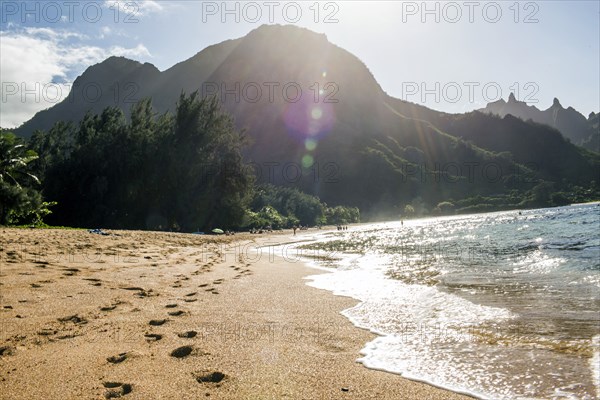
x,y
295,227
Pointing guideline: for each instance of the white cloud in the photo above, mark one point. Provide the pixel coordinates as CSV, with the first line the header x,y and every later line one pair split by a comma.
x,y
38,65
105,31
150,6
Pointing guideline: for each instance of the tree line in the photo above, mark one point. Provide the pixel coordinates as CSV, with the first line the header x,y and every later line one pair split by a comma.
x,y
182,171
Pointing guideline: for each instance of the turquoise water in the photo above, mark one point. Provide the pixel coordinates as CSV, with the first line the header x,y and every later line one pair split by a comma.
x,y
501,305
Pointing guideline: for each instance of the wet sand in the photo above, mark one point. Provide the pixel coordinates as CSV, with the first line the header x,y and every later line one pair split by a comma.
x,y
148,315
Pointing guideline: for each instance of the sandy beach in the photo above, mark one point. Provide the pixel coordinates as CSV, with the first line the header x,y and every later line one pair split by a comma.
x,y
148,315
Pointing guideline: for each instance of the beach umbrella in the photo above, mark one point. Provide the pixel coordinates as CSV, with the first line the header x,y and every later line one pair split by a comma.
x,y
218,231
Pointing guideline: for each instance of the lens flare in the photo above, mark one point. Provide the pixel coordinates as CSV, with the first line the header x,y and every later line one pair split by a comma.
x,y
308,119
307,161
316,113
310,144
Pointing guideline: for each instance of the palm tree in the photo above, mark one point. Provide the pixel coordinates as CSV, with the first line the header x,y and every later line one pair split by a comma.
x,y
17,199
14,158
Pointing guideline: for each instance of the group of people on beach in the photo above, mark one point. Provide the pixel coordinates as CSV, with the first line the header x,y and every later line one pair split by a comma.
x,y
342,227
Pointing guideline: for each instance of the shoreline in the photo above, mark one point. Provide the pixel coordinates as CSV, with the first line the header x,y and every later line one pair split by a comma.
x,y
76,311
573,349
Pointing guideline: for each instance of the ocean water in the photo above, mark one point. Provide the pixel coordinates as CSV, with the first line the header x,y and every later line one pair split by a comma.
x,y
501,305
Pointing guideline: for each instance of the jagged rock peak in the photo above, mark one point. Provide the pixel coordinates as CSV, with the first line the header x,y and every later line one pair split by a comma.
x,y
556,103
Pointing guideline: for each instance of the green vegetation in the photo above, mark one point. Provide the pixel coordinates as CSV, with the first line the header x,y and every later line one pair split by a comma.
x,y
180,172
544,194
185,171
176,172
369,150
20,198
282,207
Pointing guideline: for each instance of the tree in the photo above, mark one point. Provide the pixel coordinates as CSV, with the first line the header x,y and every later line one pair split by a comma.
x,y
341,215
151,172
210,186
296,206
18,198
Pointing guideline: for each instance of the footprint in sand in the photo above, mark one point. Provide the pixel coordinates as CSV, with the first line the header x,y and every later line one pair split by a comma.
x,y
176,313
157,322
191,294
41,264
188,334
117,359
152,337
141,292
108,308
171,306
210,377
76,319
144,293
190,300
182,351
6,351
47,332
133,288
70,271
117,389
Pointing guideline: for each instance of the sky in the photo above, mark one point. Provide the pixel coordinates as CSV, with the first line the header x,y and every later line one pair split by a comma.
x,y
449,56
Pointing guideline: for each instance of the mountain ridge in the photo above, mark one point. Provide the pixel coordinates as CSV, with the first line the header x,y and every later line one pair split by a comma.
x,y
343,120
572,124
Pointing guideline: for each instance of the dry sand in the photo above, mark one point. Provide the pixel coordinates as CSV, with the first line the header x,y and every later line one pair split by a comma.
x,y
147,315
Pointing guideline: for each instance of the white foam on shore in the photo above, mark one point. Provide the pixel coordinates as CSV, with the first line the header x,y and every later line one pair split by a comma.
x,y
419,327
439,335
